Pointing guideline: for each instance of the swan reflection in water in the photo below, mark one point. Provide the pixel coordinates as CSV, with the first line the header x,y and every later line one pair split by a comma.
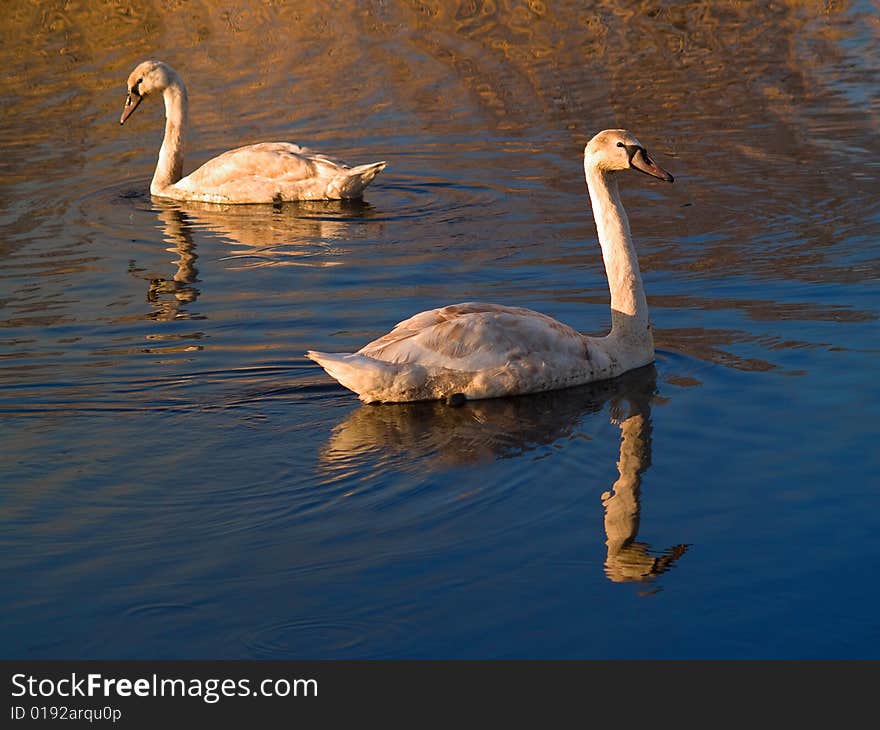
x,y
486,430
628,559
169,295
291,234
306,233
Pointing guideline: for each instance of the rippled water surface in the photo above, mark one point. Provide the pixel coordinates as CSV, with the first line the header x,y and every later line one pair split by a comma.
x,y
179,481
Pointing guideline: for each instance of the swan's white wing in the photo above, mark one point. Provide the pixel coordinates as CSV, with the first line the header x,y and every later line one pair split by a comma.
x,y
270,160
275,172
471,337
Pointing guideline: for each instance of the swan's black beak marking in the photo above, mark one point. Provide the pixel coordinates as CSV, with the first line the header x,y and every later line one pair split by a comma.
x,y
642,161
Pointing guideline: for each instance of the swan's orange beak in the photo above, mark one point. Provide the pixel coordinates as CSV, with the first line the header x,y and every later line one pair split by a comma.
x,y
641,160
131,103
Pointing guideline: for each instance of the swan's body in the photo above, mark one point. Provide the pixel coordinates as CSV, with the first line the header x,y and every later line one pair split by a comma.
x,y
270,172
489,350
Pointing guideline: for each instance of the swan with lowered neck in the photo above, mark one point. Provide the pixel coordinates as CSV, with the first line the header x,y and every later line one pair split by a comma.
x,y
269,172
473,350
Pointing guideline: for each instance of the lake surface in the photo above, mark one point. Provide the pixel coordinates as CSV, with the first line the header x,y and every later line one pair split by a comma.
x,y
179,481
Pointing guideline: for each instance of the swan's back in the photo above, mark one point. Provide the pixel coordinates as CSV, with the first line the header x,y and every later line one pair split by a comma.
x,y
473,336
275,172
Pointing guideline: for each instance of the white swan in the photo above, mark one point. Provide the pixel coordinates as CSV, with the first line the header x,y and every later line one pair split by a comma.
x,y
471,350
270,172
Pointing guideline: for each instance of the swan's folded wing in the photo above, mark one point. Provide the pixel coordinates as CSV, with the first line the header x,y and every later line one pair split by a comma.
x,y
269,160
472,337
274,172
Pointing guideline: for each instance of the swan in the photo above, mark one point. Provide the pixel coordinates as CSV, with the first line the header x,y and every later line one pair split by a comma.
x,y
269,172
473,350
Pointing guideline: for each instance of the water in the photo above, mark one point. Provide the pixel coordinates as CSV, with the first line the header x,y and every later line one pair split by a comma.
x,y
179,481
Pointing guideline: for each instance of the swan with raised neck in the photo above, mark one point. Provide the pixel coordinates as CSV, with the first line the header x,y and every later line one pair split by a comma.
x,y
476,350
267,172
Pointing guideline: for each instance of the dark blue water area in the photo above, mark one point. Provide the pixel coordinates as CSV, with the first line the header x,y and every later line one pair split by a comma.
x,y
188,485
427,531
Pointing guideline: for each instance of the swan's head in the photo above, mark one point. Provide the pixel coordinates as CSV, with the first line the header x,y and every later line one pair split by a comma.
x,y
618,149
147,77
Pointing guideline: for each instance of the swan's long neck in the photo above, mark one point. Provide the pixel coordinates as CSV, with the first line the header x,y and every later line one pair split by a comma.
x,y
630,325
169,168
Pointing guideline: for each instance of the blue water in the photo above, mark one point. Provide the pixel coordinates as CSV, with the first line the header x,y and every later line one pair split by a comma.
x,y
179,481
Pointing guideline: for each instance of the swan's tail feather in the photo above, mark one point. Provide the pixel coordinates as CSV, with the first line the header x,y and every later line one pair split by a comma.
x,y
371,379
370,170
357,178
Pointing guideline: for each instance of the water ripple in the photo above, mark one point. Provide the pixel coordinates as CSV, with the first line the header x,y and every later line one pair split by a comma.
x,y
328,635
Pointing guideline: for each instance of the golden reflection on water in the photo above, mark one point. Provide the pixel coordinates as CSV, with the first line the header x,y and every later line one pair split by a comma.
x,y
710,82
767,106
483,431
